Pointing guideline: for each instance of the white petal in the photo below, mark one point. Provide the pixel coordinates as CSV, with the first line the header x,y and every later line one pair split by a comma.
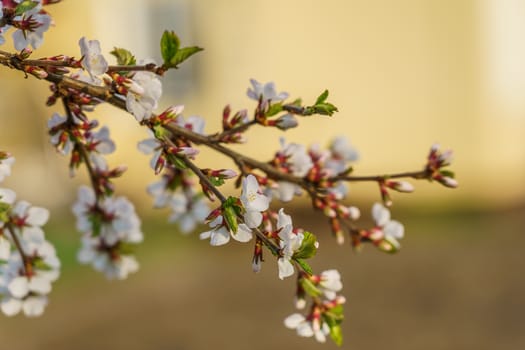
x,y
253,218
5,248
285,268
11,306
148,146
18,287
320,336
304,329
34,306
286,191
394,229
220,237
380,214
39,284
37,216
243,234
293,320
7,196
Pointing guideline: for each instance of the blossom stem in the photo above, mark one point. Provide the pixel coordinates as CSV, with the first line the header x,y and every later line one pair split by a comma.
x,y
150,67
216,138
85,157
422,174
18,245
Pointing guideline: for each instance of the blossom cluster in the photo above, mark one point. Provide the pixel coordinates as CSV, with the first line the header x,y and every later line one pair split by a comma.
x,y
109,227
29,19
28,262
325,314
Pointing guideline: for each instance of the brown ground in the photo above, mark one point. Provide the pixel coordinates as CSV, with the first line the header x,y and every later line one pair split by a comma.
x,y
458,283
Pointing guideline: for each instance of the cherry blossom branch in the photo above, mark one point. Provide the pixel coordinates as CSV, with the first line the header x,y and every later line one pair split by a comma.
x,y
409,174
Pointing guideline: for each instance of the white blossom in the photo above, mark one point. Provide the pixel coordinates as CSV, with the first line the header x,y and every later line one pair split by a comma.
x,y
107,226
330,283
117,266
188,216
5,167
151,146
307,328
92,59
143,95
187,208
290,243
267,91
24,292
341,154
34,38
253,200
220,234
386,228
299,163
101,142
193,123
59,137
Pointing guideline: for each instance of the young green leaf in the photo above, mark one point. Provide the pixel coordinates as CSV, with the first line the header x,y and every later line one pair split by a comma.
x,y
230,212
325,108
169,45
304,265
183,54
216,181
310,288
124,57
336,334
322,97
274,109
25,6
308,248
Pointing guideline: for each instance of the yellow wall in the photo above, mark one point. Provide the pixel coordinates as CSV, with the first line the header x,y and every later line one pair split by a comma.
x,y
404,75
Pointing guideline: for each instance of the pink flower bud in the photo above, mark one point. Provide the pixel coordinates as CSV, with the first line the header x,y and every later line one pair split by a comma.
x,y
286,122
448,182
354,213
187,151
400,186
226,173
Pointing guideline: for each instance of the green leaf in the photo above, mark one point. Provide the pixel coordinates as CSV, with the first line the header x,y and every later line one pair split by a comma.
x,y
216,181
322,97
333,320
183,54
310,288
39,264
274,109
447,173
304,265
169,45
25,6
325,108
229,213
177,162
307,248
124,57
336,334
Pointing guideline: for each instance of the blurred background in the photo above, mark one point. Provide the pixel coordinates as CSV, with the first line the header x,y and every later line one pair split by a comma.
x,y
404,74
